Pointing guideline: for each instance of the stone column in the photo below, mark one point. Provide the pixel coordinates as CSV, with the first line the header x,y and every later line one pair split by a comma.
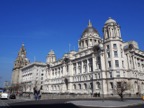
x,y
128,61
87,65
82,67
94,62
77,68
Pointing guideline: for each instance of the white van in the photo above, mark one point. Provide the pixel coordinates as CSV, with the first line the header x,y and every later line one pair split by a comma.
x,y
3,95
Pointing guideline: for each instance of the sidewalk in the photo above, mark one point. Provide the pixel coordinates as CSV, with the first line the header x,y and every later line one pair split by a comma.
x,y
106,103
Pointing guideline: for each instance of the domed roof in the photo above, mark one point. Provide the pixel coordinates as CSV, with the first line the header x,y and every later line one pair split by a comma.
x,y
89,29
110,20
51,52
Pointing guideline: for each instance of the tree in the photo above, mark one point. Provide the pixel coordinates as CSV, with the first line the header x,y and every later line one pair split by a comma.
x,y
121,87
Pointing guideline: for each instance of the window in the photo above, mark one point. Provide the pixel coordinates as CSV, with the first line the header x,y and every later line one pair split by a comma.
x,y
109,64
79,86
85,66
85,86
98,85
74,86
108,54
118,84
123,64
118,74
108,47
138,64
74,68
91,86
79,67
116,63
110,74
99,75
115,54
114,46
111,85
90,65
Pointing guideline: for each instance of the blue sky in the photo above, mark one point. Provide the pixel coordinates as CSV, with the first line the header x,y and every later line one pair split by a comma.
x,y
43,25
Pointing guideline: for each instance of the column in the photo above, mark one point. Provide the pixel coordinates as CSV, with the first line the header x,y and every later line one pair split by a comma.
x,y
64,69
82,67
94,62
77,68
87,65
128,61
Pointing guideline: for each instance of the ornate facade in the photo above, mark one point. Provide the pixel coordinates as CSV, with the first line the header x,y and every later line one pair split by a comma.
x,y
20,62
97,66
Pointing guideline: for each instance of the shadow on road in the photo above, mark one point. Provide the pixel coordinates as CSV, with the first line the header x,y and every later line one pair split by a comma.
x,y
68,105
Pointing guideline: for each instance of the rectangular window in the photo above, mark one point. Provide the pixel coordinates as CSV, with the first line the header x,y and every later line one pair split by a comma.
x,y
118,74
79,67
123,64
74,68
116,63
108,47
85,65
110,74
90,65
111,84
108,54
118,84
114,46
109,64
115,54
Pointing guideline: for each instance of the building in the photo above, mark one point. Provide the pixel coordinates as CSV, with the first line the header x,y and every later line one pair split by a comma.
x,y
97,67
20,62
33,75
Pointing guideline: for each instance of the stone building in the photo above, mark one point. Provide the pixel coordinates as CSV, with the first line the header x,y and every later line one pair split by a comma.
x,y
98,66
33,75
20,62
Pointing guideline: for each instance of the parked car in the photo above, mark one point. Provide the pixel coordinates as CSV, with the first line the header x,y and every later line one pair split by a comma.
x,y
4,95
12,96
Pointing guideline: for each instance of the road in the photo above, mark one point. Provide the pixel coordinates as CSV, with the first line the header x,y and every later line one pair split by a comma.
x,y
56,103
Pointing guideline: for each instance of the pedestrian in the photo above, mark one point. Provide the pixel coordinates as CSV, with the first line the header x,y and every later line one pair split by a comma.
x,y
35,93
39,94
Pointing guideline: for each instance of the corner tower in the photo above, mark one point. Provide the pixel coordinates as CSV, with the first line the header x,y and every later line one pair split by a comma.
x,y
51,57
111,30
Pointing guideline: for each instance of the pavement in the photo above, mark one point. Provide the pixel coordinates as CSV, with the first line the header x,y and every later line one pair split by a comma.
x,y
106,103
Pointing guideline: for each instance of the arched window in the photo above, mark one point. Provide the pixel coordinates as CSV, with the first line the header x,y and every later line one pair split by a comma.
x,y
79,86
74,86
98,85
85,86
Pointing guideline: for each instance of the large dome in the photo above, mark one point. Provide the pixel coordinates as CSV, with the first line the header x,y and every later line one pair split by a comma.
x,y
89,31
110,20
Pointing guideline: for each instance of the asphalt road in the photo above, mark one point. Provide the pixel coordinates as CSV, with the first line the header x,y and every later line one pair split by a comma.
x,y
55,103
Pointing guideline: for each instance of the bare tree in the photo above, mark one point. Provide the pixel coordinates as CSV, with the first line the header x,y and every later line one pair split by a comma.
x,y
121,87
